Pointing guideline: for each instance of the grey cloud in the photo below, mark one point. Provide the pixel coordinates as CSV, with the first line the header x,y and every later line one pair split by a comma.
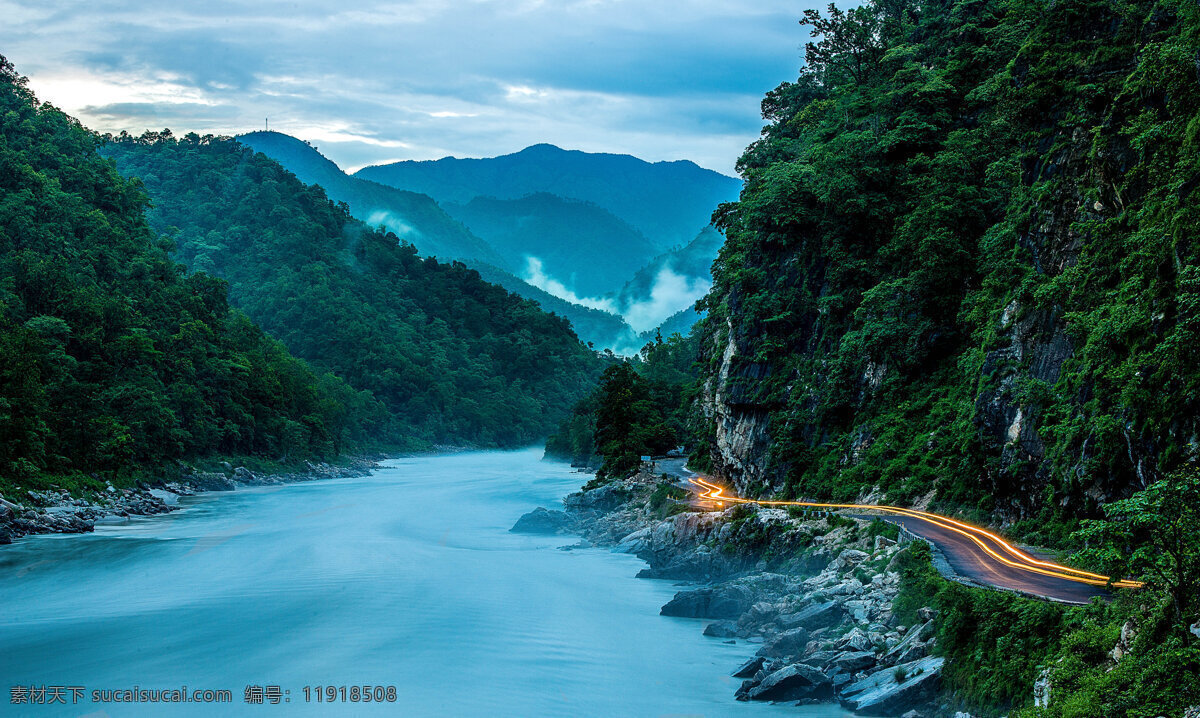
x,y
376,81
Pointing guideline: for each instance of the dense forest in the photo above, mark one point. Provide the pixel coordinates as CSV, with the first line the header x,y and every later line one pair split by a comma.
x,y
964,270
640,407
965,261
114,361
452,358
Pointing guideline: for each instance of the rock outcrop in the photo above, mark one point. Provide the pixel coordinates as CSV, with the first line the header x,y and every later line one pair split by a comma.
x,y
821,608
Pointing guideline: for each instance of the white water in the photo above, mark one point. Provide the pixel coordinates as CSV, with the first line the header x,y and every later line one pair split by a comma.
x,y
407,578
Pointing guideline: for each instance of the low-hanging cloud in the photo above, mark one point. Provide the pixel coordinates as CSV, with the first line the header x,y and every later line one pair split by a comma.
x,y
396,225
535,274
671,292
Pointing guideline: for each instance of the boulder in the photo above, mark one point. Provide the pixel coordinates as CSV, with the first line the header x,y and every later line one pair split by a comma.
x,y
812,617
730,601
855,640
721,629
758,613
542,521
912,637
1041,689
891,692
210,481
791,683
602,498
749,668
689,604
817,658
911,652
911,714
788,643
853,662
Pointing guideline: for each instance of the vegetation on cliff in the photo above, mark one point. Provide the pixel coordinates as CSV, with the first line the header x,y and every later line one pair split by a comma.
x,y
965,261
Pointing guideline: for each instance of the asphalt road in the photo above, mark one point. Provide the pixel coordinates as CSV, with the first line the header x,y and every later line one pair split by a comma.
x,y
967,559
972,554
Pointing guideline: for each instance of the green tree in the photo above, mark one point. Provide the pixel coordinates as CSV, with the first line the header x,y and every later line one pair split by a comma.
x,y
1153,535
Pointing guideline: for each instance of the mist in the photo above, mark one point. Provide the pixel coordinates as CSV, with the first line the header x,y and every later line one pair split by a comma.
x,y
670,293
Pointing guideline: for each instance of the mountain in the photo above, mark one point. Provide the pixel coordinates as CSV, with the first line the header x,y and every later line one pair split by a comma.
x,y
454,360
413,217
666,201
547,239
419,220
115,362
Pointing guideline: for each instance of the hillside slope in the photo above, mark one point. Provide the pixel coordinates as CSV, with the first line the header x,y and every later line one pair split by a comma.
x,y
413,217
419,220
580,245
115,362
453,358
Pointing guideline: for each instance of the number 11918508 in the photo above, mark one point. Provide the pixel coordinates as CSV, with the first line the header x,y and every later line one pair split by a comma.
x,y
350,694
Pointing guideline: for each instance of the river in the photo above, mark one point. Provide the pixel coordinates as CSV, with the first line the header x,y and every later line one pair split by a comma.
x,y
407,578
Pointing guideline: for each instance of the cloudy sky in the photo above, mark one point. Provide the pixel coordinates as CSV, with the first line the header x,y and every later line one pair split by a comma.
x,y
369,82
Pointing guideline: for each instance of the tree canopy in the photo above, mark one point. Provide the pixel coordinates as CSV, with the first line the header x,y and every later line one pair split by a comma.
x,y
113,359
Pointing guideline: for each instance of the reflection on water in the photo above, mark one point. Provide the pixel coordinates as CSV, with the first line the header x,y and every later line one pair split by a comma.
x,y
408,578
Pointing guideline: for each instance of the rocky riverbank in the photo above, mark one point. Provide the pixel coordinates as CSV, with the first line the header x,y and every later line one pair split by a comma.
x,y
57,511
815,593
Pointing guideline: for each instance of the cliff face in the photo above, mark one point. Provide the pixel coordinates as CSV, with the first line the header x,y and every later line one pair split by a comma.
x,y
964,264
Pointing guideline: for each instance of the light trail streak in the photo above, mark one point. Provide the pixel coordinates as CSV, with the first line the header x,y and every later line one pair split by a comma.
x,y
1024,562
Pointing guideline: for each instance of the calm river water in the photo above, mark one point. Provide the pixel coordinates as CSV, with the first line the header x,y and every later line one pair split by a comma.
x,y
408,578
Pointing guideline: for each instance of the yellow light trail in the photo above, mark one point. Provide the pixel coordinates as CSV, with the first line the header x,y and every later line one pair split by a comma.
x,y
1023,561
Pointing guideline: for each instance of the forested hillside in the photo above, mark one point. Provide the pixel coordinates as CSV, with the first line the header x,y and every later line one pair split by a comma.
x,y
581,245
965,262
113,360
454,359
420,221
413,217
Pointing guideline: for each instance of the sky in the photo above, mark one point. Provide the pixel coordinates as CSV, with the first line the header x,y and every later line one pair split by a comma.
x,y
374,82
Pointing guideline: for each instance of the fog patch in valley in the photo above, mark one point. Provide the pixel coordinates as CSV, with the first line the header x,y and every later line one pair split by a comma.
x,y
670,293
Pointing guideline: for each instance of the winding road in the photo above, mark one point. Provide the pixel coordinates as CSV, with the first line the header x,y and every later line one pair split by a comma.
x,y
972,552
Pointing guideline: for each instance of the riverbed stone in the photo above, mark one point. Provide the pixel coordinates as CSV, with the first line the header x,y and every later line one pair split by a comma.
x,y
749,668
542,521
721,629
211,481
689,604
791,683
881,694
788,643
813,617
